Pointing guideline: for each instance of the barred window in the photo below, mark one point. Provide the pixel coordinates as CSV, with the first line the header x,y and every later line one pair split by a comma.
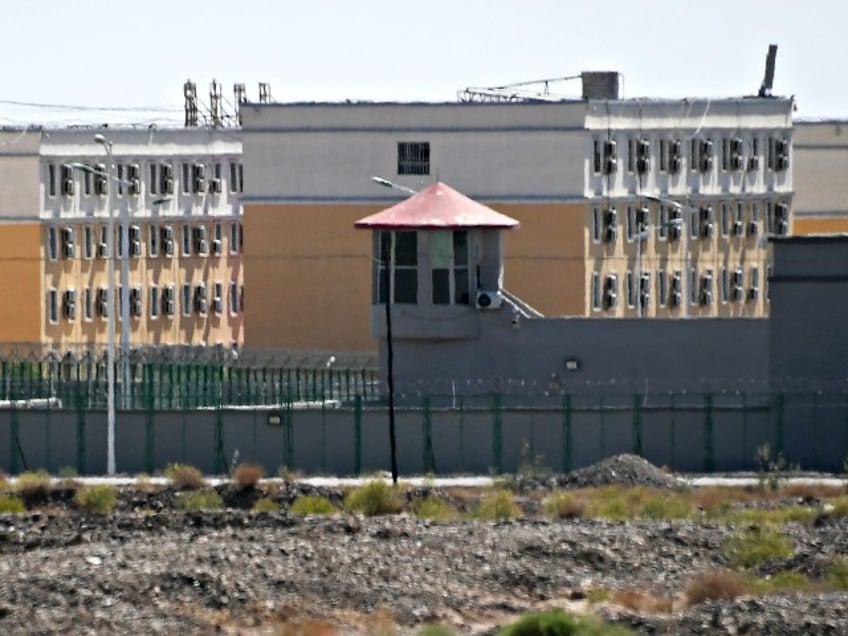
x,y
413,157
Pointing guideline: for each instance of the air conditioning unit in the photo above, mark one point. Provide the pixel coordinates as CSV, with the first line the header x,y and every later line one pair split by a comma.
x,y
200,305
643,164
168,307
201,246
168,247
610,299
134,187
706,230
215,186
67,187
675,298
675,165
167,185
68,250
102,250
782,228
488,299
737,162
611,234
737,278
752,228
737,293
781,163
135,248
135,308
674,232
753,162
167,233
610,165
216,247
753,293
737,228
610,148
707,147
706,163
199,174
217,305
706,297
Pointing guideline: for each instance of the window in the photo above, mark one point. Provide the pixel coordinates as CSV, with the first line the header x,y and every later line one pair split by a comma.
x,y
739,221
597,224
645,289
241,177
631,290
768,278
218,298
153,183
630,222
186,239
121,177
88,304
694,154
234,237
693,286
120,241
662,229
87,181
153,240
154,302
52,306
725,153
186,304
449,262
234,298
200,298
52,243
51,179
233,180
413,157
611,291
755,281
662,288
754,161
725,219
403,262
185,182
596,291
694,222
168,306
88,241
663,155
725,284
631,155
103,245
598,156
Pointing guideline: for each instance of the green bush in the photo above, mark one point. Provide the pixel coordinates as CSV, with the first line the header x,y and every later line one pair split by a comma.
x,y
433,508
435,630
837,577
666,506
31,483
312,505
185,477
563,505
374,498
497,506
265,504
559,623
96,499
10,503
196,500
746,548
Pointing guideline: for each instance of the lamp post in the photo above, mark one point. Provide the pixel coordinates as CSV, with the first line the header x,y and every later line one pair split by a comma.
x,y
125,269
385,257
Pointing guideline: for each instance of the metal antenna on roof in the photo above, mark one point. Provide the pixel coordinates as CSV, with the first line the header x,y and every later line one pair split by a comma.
x,y
768,80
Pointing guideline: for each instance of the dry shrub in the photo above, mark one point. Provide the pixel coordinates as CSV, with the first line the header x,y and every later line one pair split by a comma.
x,y
374,498
811,491
185,477
33,483
642,601
199,500
305,627
715,585
564,505
248,475
97,499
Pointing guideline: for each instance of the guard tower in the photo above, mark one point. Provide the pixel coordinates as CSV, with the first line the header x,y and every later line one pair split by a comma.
x,y
438,256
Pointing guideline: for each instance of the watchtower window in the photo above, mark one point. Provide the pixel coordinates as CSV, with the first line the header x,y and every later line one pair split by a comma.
x,y
449,262
401,248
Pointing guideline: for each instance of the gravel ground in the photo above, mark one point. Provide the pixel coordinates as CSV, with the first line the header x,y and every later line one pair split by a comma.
x,y
165,572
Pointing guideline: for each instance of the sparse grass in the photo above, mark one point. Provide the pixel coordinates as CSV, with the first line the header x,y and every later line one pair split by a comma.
x,y
11,503
715,585
185,477
781,582
755,545
374,498
666,505
837,577
498,505
33,483
643,601
197,500
265,504
560,623
247,475
771,516
563,505
433,508
312,505
96,499
305,627
599,595
840,507
811,491
143,483
620,503
435,630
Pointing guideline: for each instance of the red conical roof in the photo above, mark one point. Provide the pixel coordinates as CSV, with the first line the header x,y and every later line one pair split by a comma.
x,y
438,207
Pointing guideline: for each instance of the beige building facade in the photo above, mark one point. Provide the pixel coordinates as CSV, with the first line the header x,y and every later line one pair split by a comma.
x,y
821,163
179,190
627,207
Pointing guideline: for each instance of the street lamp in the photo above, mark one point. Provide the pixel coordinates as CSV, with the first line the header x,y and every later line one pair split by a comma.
x,y
385,256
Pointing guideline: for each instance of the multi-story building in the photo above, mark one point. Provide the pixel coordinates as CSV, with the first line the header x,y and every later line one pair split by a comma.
x,y
821,190
180,190
628,207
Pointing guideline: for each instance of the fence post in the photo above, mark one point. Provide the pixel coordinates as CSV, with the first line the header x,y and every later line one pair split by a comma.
x,y
357,435
497,434
288,432
81,467
778,437
428,462
637,424
567,441
148,420
709,460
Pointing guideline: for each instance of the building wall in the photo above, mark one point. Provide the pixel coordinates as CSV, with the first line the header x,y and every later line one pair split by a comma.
x,y
820,165
20,279
19,173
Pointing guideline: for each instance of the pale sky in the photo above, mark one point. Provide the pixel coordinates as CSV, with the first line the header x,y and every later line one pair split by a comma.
x,y
131,54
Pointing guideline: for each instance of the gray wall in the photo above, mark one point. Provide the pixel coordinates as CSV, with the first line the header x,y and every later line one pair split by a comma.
x,y
688,432
632,354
